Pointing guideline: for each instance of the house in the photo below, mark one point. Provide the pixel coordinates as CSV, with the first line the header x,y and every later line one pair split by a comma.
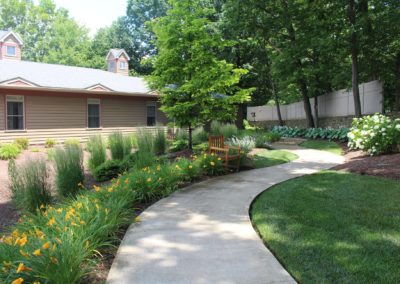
x,y
41,101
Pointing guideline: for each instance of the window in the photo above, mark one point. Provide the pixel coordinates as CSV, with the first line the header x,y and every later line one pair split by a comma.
x,y
93,113
111,66
151,114
122,65
11,50
15,113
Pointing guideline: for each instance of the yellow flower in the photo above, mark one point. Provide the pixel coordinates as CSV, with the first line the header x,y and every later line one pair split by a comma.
x,y
97,188
51,222
59,210
190,167
53,260
37,252
23,253
126,180
80,184
42,206
22,267
8,240
137,219
21,241
58,241
149,180
15,233
212,164
46,245
18,281
219,159
177,167
7,263
158,168
110,189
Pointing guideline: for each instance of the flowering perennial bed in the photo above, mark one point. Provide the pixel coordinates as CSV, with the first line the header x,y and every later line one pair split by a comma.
x,y
60,243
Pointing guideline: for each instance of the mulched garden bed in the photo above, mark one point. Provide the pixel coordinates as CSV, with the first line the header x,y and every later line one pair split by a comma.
x,y
387,166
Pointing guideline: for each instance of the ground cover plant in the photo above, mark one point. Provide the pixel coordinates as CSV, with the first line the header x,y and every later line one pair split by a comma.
x,y
376,134
269,158
323,145
333,227
313,133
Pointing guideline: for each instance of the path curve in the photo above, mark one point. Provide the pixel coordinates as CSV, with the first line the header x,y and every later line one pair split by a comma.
x,y
203,233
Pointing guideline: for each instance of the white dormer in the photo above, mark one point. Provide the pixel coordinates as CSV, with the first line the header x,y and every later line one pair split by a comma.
x,y
118,61
10,45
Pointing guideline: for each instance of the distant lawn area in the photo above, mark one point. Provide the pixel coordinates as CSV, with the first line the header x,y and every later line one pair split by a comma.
x,y
323,145
270,158
333,227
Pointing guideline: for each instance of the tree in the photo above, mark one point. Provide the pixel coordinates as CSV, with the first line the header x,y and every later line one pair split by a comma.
x,y
196,85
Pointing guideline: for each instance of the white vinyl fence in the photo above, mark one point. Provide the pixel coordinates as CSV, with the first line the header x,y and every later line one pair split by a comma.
x,y
335,104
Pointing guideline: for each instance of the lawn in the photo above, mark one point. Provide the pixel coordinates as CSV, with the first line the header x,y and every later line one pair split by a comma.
x,y
333,227
323,145
270,158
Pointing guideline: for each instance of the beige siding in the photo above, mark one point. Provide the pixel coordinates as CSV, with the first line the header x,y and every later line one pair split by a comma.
x,y
123,113
2,112
55,112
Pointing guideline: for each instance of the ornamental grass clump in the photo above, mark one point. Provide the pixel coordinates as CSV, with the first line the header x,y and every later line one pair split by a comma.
x,y
97,150
228,130
376,134
160,142
69,170
120,146
29,184
145,155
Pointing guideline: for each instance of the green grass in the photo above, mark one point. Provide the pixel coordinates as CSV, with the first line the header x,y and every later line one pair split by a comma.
x,y
333,227
323,145
270,158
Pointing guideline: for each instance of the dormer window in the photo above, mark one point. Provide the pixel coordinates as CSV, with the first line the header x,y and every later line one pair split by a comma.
x,y
122,65
11,50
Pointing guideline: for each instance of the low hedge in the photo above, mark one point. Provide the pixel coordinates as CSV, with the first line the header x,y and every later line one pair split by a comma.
x,y
312,133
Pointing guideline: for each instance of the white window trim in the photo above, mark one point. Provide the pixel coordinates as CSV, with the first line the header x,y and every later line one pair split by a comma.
x,y
15,51
154,104
93,102
15,99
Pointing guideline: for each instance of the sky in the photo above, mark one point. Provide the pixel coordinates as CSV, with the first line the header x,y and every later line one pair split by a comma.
x,y
94,14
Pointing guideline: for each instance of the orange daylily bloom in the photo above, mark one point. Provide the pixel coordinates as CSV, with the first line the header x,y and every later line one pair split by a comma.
x,y
46,245
18,281
37,252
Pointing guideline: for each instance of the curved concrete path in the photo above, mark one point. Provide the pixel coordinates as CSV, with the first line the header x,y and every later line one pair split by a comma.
x,y
203,233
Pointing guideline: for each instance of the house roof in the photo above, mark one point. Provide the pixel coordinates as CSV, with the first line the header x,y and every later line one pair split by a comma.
x,y
117,53
5,34
68,77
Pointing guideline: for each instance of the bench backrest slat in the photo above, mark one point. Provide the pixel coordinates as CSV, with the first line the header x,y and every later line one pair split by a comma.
x,y
216,141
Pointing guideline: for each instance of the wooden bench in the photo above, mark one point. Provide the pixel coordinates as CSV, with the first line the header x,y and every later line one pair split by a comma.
x,y
216,145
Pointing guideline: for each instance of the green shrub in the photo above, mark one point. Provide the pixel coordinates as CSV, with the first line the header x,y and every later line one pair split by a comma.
x,y
262,140
29,184
160,142
200,148
49,143
120,146
179,145
199,135
72,141
108,170
69,170
97,150
375,134
228,130
23,143
188,170
9,151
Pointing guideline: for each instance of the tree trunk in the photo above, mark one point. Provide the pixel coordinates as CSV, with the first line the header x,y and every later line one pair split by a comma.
x,y
190,142
397,88
240,116
307,105
354,59
278,106
316,118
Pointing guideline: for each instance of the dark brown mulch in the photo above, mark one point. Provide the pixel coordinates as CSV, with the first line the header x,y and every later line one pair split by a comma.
x,y
387,166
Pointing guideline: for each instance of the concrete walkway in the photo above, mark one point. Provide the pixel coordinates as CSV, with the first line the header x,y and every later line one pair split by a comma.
x,y
203,233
